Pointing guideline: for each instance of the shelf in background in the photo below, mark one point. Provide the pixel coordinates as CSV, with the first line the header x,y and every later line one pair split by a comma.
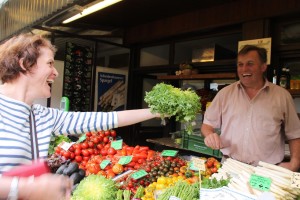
x,y
198,76
295,93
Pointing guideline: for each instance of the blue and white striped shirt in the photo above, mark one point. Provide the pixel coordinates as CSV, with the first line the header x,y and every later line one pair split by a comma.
x,y
15,140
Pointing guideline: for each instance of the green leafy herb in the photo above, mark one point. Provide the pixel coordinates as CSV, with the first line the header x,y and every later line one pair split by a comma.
x,y
170,101
56,140
214,183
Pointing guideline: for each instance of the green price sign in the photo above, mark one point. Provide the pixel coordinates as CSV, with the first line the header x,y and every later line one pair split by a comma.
x,y
125,160
104,163
117,144
81,139
139,174
171,153
260,182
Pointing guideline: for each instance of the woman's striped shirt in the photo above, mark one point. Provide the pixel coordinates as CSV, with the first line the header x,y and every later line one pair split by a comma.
x,y
15,140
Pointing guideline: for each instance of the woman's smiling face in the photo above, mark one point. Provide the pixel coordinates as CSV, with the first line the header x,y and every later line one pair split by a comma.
x,y
43,74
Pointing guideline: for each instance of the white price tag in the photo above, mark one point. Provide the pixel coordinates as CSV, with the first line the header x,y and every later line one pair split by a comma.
x,y
199,163
65,145
296,180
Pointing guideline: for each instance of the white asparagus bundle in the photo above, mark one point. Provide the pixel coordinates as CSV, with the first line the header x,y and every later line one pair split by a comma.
x,y
281,178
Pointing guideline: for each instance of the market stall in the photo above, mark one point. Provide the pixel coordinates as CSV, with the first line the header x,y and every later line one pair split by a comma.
x,y
103,166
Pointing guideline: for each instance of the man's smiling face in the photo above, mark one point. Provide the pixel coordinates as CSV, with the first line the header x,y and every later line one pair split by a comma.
x,y
250,68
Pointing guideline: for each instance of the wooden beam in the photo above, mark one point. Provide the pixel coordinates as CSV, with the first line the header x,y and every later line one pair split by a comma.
x,y
234,12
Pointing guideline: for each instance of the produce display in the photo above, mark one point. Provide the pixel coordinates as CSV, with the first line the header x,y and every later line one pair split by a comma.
x,y
172,101
104,167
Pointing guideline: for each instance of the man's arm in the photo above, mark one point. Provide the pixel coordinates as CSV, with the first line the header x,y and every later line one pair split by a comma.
x,y
294,163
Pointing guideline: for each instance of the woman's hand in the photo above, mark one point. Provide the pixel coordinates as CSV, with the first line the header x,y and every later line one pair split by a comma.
x,y
46,187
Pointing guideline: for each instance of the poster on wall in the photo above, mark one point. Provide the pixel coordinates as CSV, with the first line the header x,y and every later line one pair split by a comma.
x,y
262,42
111,92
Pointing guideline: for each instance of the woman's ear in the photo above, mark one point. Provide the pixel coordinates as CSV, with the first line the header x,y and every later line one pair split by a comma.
x,y
21,63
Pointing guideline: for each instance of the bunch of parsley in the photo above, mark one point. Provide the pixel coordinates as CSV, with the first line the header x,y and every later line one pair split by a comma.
x,y
214,183
170,101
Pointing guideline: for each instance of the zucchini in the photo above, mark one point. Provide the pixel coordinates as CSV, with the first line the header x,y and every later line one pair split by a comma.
x,y
60,170
76,177
81,172
73,167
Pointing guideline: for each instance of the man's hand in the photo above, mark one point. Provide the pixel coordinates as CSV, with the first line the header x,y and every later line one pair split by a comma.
x,y
289,165
213,141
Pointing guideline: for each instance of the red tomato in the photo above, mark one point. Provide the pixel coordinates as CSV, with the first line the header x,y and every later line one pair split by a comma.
x,y
72,155
140,161
110,175
84,145
67,154
99,132
111,151
86,158
72,149
78,158
123,152
77,152
91,144
103,152
107,146
107,133
113,133
62,152
148,169
214,170
88,134
142,182
93,168
100,138
57,150
85,152
209,163
102,134
91,151
130,185
96,140
100,146
76,146
105,140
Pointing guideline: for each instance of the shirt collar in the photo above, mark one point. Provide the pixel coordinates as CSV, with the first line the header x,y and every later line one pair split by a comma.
x,y
265,87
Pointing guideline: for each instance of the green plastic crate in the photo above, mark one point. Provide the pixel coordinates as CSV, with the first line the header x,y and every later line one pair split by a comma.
x,y
196,143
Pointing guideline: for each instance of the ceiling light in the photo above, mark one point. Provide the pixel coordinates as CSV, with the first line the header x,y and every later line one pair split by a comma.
x,y
91,9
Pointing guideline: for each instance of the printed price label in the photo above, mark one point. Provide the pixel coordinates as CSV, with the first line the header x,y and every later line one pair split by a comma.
x,y
171,153
260,182
117,144
104,163
198,163
139,174
82,138
125,160
65,145
296,180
